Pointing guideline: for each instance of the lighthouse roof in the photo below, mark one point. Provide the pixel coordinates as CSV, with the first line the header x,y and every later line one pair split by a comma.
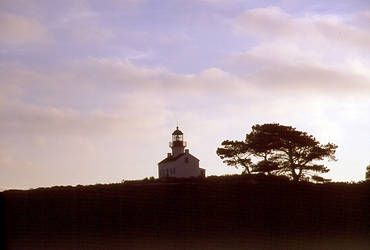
x,y
177,132
175,158
171,158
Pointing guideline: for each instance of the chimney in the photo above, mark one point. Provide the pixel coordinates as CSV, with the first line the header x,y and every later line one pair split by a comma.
x,y
168,155
186,151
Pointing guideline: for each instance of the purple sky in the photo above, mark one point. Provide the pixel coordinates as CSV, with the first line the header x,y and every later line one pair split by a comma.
x,y
90,91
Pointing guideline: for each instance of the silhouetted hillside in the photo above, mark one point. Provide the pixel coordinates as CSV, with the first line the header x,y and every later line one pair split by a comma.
x,y
235,212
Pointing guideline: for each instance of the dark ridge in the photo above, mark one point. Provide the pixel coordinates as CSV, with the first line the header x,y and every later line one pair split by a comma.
x,y
228,212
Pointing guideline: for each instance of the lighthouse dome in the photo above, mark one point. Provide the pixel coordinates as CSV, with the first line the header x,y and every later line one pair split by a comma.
x,y
177,132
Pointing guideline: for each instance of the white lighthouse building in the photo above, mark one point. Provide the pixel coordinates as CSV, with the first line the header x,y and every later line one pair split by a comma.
x,y
180,163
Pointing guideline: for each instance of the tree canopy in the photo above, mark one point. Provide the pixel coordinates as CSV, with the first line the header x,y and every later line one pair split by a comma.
x,y
236,153
277,149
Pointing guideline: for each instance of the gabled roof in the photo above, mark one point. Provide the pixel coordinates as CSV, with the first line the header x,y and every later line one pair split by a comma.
x,y
171,158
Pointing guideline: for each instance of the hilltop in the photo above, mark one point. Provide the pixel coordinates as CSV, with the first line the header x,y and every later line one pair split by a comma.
x,y
227,212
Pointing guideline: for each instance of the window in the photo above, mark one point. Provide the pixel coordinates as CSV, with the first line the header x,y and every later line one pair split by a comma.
x,y
177,138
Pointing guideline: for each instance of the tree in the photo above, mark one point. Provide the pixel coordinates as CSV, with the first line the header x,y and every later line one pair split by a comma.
x,y
296,152
319,179
265,166
278,149
236,153
368,172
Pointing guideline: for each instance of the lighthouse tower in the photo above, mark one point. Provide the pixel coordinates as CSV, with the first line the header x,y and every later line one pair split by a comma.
x,y
180,163
178,144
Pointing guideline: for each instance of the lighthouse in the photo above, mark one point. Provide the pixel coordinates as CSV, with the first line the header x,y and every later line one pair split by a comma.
x,y
177,144
180,163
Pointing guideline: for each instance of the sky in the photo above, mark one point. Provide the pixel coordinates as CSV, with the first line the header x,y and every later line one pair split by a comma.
x,y
90,91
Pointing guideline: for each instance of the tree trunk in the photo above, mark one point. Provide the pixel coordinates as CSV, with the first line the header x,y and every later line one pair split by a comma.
x,y
294,175
299,174
246,169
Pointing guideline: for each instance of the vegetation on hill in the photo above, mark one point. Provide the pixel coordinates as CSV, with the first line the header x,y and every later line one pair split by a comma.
x,y
225,212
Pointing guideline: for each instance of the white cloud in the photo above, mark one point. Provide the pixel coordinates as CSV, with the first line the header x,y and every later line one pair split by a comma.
x,y
274,23
19,30
8,160
123,96
112,95
310,54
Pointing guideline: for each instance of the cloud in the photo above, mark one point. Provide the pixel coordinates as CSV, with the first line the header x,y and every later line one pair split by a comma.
x,y
137,112
102,96
115,96
104,114
19,30
104,118
9,160
218,2
274,23
312,79
362,19
99,96
123,75
128,3
83,24
310,54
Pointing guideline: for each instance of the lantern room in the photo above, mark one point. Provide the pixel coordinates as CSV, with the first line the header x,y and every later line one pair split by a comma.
x,y
178,144
177,135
